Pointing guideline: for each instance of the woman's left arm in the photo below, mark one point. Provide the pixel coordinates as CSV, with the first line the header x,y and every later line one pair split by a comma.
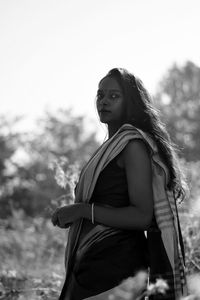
x,y
138,214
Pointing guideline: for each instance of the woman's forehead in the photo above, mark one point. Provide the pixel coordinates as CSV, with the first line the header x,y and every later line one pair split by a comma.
x,y
109,83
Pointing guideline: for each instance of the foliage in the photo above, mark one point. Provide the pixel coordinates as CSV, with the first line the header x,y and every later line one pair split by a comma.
x,y
178,98
9,141
61,138
32,260
32,256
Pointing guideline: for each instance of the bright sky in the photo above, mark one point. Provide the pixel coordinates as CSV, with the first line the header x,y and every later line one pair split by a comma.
x,y
54,52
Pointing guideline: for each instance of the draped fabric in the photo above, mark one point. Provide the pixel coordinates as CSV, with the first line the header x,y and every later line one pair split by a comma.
x,y
165,210
104,258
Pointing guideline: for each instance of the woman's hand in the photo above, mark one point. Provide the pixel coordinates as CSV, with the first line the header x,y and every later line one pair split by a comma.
x,y
66,215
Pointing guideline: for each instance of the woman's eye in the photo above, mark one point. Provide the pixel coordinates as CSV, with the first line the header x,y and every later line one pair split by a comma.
x,y
100,96
114,96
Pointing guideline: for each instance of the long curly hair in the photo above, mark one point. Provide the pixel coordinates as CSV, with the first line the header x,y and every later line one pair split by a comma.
x,y
141,113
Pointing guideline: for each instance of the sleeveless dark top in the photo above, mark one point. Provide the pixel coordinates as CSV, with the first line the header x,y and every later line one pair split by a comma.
x,y
111,187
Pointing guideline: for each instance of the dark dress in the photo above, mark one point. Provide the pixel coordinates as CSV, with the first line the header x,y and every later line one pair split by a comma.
x,y
116,256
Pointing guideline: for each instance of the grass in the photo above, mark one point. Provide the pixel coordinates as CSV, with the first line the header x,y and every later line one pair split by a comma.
x,y
32,258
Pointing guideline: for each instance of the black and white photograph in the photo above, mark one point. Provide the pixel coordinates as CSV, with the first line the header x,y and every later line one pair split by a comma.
x,y
99,150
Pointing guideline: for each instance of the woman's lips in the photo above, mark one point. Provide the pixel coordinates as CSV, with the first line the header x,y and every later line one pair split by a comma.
x,y
104,111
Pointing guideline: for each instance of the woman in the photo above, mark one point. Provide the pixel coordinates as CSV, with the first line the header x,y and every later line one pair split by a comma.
x,y
130,185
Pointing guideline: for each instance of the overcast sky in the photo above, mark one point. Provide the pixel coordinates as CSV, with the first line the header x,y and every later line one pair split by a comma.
x,y
54,52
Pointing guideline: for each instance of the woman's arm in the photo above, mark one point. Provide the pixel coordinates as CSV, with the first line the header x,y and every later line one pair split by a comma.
x,y
138,215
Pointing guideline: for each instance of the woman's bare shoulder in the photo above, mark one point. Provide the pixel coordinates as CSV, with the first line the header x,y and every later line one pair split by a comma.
x,y
135,150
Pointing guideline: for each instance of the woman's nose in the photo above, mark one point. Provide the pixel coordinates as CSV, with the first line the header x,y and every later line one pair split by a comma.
x,y
105,100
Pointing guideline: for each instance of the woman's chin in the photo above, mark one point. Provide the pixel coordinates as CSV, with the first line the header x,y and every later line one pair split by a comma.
x,y
104,120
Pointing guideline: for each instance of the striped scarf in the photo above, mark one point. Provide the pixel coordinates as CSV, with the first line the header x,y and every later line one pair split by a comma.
x,y
165,210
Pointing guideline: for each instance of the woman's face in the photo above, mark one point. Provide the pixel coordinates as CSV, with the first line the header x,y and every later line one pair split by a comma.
x,y
110,102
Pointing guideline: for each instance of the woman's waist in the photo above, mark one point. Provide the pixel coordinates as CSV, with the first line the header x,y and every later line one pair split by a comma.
x,y
87,225
89,229
100,236
113,200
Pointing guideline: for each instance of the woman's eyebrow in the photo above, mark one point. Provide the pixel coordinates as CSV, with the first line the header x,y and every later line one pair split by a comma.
x,y
111,90
115,90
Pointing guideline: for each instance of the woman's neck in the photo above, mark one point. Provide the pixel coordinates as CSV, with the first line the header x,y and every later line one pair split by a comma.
x,y
112,130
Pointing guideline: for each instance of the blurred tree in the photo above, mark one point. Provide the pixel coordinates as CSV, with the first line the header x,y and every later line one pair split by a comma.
x,y
178,98
61,143
9,142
